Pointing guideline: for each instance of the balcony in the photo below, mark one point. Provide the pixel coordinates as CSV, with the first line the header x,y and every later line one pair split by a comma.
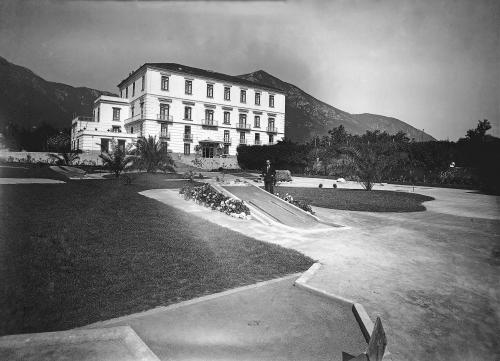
x,y
243,126
188,137
257,142
243,141
164,136
133,119
272,129
227,141
82,118
103,133
209,123
164,118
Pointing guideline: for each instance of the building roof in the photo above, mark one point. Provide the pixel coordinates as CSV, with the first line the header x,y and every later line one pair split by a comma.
x,y
202,73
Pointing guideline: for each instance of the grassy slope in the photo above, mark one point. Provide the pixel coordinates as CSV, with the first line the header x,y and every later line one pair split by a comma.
x,y
358,200
85,251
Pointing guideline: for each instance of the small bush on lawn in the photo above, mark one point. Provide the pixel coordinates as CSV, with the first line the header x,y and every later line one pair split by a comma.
x,y
283,175
209,197
302,205
188,175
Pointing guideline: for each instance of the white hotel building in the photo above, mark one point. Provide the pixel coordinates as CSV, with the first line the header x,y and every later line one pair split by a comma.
x,y
185,107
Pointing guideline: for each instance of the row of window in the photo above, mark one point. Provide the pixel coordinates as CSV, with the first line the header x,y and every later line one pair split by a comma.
x,y
188,90
188,135
227,138
209,116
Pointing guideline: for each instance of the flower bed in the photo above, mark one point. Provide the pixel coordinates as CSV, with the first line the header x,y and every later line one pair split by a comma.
x,y
209,197
302,205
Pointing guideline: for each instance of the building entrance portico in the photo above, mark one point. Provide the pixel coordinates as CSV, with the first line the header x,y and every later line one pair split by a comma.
x,y
209,148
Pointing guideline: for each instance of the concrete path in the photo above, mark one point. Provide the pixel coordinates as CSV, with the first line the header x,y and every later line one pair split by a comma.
x,y
110,344
29,181
269,321
432,276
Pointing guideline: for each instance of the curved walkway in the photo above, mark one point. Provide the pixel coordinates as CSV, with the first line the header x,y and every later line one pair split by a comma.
x,y
432,276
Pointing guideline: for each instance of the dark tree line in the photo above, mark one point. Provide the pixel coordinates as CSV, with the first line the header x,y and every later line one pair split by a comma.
x,y
43,138
381,157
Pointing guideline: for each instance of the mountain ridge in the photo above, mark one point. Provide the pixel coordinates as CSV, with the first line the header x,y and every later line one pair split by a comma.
x,y
27,100
307,116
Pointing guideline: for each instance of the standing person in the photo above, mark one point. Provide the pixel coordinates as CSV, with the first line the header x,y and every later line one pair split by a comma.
x,y
269,174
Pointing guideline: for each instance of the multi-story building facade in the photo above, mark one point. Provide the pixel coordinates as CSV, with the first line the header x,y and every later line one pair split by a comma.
x,y
190,109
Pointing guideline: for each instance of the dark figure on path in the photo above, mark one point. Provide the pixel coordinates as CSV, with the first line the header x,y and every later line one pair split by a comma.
x,y
269,174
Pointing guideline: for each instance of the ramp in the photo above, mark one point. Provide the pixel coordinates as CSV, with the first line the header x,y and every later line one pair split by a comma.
x,y
274,207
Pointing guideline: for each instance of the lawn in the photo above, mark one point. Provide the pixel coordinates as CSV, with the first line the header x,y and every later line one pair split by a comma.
x,y
28,171
90,250
358,199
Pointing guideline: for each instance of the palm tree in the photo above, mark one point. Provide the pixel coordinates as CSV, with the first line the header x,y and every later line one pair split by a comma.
x,y
118,158
152,155
64,158
371,156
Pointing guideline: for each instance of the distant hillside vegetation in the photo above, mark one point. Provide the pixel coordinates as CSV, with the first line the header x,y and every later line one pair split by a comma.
x,y
27,100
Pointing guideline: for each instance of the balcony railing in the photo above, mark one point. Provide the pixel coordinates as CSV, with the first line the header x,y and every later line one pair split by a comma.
x,y
82,118
227,140
258,142
209,123
104,132
164,117
165,136
243,141
188,137
271,129
243,126
133,118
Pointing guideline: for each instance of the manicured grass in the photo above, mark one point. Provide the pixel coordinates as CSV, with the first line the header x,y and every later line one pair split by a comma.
x,y
358,199
76,253
14,170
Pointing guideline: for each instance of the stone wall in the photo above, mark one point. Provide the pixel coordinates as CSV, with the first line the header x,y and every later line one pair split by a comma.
x,y
230,162
23,157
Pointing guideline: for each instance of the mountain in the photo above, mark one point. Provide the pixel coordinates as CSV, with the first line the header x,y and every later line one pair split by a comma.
x,y
27,100
307,116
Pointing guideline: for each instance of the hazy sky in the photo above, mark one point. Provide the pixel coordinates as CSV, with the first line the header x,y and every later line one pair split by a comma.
x,y
433,64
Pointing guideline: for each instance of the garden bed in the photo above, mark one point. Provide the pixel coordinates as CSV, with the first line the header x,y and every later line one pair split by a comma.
x,y
357,199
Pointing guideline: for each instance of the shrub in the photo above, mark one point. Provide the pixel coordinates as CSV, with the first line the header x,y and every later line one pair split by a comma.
x,y
283,175
188,175
457,175
320,185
